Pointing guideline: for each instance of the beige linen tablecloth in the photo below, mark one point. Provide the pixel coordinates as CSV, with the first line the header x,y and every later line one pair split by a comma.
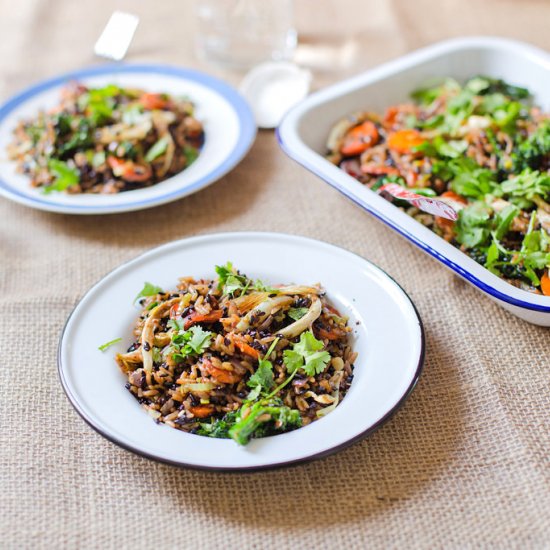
x,y
464,464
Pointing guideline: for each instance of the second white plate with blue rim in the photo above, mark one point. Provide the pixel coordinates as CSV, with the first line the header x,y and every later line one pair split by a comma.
x,y
387,334
229,127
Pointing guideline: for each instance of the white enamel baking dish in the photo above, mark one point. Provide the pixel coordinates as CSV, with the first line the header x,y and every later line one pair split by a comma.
x,y
303,132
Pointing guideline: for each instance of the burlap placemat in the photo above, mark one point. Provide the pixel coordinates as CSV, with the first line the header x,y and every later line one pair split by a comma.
x,y
464,464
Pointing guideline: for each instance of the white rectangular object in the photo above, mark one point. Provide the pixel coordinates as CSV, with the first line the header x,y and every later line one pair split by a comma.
x,y
117,35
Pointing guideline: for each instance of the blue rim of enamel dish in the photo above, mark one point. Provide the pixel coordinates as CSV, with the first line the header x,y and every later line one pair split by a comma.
x,y
437,255
247,131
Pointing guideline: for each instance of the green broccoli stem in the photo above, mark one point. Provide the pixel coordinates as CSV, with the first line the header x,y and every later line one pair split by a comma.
x,y
244,429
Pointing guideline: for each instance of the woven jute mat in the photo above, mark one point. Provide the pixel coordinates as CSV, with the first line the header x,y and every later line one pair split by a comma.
x,y
464,464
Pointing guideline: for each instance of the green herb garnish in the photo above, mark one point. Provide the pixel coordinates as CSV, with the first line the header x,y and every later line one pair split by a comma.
x,y
190,342
103,347
66,176
148,289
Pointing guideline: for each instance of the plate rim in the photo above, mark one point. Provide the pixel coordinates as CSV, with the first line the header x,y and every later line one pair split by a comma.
x,y
242,469
245,139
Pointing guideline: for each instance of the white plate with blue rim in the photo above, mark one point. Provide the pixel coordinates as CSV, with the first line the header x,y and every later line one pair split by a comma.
x,y
228,123
387,334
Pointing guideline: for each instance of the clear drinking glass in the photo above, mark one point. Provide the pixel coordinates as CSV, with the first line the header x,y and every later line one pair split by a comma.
x,y
242,33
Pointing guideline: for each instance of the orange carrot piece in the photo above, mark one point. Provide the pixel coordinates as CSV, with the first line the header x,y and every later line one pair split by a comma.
x,y
128,170
333,334
152,101
390,116
221,376
359,139
245,348
374,169
403,141
202,411
195,318
545,284
453,196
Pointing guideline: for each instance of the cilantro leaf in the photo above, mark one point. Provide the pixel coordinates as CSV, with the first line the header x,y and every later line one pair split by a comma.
x,y
176,324
297,313
231,281
260,286
262,379
492,256
103,347
65,176
528,184
504,219
316,362
307,355
470,180
292,360
190,342
307,343
200,339
473,225
148,289
234,283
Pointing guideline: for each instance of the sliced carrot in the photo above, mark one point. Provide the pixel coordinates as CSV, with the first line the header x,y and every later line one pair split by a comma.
x,y
390,116
403,141
374,169
195,318
359,139
153,101
245,348
221,376
332,334
443,223
453,196
545,284
411,178
202,411
128,170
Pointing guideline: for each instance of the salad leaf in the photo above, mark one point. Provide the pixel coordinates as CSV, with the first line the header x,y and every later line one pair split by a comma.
x,y
472,181
307,355
103,347
230,280
429,94
262,379
472,227
98,103
528,184
191,154
65,176
157,149
503,220
81,138
297,313
531,152
148,289
190,342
